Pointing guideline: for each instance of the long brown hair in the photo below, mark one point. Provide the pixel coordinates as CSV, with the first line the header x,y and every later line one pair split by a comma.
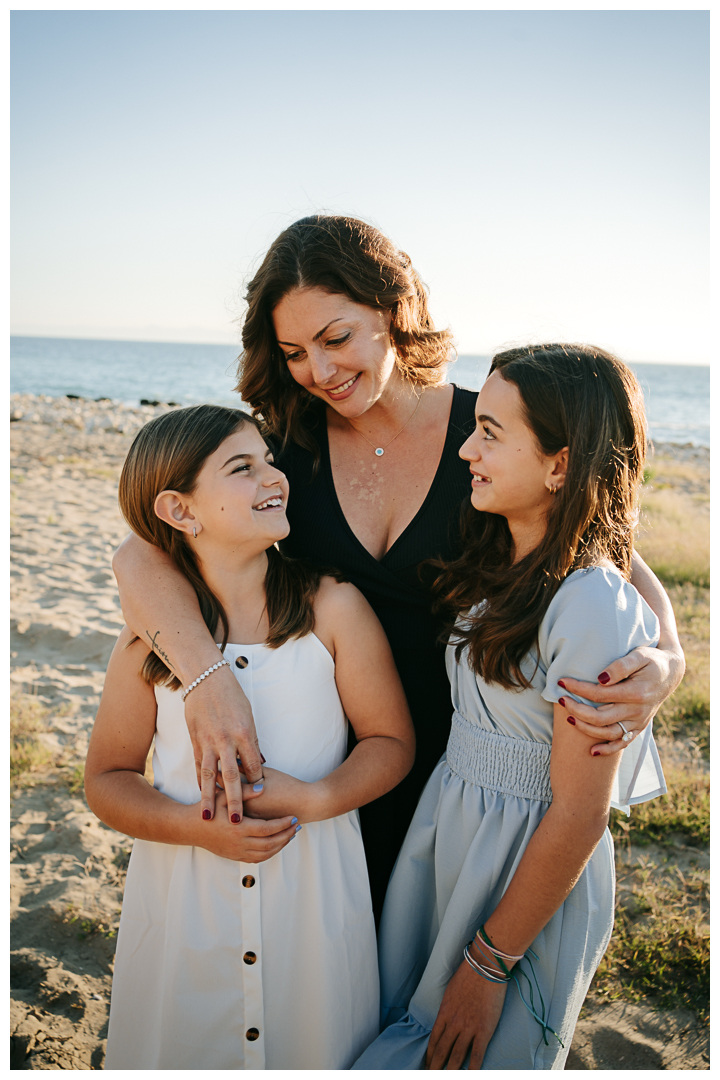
x,y
168,454
345,256
576,396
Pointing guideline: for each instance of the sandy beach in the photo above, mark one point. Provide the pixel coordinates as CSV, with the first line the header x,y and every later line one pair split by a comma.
x,y
67,868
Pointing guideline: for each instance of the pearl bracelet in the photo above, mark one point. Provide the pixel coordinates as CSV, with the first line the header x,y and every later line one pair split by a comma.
x,y
204,675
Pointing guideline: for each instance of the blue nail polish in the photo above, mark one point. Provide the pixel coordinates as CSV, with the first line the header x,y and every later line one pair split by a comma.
x,y
294,821
298,829
257,787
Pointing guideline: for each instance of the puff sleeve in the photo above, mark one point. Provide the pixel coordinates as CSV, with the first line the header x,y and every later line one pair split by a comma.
x,y
595,617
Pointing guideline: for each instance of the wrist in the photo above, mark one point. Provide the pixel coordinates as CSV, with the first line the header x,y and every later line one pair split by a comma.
x,y
314,802
190,666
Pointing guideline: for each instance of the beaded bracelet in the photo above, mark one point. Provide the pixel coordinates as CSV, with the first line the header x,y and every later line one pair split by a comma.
x,y
204,675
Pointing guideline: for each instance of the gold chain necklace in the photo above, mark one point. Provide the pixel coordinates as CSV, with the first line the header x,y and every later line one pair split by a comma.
x,y
379,451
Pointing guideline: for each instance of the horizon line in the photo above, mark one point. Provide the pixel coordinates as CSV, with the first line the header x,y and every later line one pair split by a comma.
x,y
229,345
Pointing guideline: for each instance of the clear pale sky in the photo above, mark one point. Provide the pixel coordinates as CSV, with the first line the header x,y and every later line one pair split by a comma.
x,y
547,171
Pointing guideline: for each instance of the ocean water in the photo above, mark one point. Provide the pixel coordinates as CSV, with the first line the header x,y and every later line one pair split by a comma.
x,y
677,396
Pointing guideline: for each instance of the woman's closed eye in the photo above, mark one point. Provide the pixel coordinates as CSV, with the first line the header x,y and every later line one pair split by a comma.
x,y
340,340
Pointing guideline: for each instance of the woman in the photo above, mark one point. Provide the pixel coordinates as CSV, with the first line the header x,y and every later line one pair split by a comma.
x,y
341,358
508,863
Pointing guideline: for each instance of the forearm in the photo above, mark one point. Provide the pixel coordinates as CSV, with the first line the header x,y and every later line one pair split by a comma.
x,y
654,595
553,861
376,765
126,802
160,606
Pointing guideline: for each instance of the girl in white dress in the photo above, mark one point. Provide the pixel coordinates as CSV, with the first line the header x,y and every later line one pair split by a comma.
x,y
244,944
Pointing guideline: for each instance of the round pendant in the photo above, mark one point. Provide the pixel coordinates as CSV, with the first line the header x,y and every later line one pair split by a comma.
x,y
379,451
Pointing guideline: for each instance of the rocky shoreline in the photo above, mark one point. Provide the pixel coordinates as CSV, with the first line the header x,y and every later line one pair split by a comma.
x,y
108,414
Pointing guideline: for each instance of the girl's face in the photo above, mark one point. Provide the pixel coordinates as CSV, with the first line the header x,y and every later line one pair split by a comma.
x,y
510,474
240,496
338,350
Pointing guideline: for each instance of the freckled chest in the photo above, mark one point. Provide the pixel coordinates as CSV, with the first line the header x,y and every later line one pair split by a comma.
x,y
380,496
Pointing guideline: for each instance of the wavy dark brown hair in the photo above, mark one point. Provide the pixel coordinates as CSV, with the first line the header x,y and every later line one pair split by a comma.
x,y
167,455
344,256
588,400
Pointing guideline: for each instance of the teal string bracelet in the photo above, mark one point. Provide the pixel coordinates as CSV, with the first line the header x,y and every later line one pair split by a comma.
x,y
513,976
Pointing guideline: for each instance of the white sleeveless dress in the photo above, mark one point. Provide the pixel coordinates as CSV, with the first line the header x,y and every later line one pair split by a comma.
x,y
273,965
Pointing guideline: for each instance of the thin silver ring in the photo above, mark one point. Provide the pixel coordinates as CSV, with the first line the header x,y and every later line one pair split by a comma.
x,y
623,728
628,736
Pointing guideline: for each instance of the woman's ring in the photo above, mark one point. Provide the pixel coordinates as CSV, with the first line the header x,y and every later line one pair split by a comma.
x,y
627,735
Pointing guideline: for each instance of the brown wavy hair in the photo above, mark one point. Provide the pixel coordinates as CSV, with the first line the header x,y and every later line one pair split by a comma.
x,y
345,256
168,454
576,396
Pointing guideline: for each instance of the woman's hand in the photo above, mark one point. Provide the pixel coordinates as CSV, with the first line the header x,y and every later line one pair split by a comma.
x,y
222,728
468,1016
249,841
281,795
630,690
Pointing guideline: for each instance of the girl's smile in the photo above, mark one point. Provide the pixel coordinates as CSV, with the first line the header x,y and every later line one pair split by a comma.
x,y
239,499
511,475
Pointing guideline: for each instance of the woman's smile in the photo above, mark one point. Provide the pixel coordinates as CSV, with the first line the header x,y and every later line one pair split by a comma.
x,y
336,349
339,393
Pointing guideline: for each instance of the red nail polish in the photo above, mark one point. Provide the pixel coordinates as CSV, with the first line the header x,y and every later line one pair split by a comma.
x,y
561,701
603,677
206,815
561,683
571,720
263,759
596,753
234,818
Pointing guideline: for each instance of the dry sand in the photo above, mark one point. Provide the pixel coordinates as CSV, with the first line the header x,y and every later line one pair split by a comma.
x,y
67,868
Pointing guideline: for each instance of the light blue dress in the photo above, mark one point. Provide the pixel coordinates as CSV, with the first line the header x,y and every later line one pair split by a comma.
x,y
475,818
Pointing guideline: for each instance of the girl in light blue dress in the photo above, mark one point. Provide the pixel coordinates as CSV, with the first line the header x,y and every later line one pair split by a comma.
x,y
501,902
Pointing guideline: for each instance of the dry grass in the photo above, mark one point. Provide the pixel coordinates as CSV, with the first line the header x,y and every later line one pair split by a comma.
x,y
684,812
28,720
659,950
674,533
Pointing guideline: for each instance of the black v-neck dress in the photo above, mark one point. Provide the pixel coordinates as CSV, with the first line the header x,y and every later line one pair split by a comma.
x,y
320,533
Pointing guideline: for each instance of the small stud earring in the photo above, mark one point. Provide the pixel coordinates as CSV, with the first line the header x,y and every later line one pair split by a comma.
x,y
194,532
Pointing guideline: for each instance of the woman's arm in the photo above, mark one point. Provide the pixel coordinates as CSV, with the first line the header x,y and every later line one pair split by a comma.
x,y
375,704
552,863
118,793
632,688
159,604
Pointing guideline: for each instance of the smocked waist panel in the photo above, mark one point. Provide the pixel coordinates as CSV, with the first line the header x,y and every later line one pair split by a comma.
x,y
499,763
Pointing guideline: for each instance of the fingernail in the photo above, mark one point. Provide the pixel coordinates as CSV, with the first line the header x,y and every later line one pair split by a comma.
x,y
596,753
298,829
571,720
257,787
603,677
263,759
206,815
561,683
294,821
561,701
234,818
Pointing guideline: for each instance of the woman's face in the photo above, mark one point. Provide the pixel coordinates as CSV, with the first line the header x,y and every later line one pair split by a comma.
x,y
510,474
338,350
